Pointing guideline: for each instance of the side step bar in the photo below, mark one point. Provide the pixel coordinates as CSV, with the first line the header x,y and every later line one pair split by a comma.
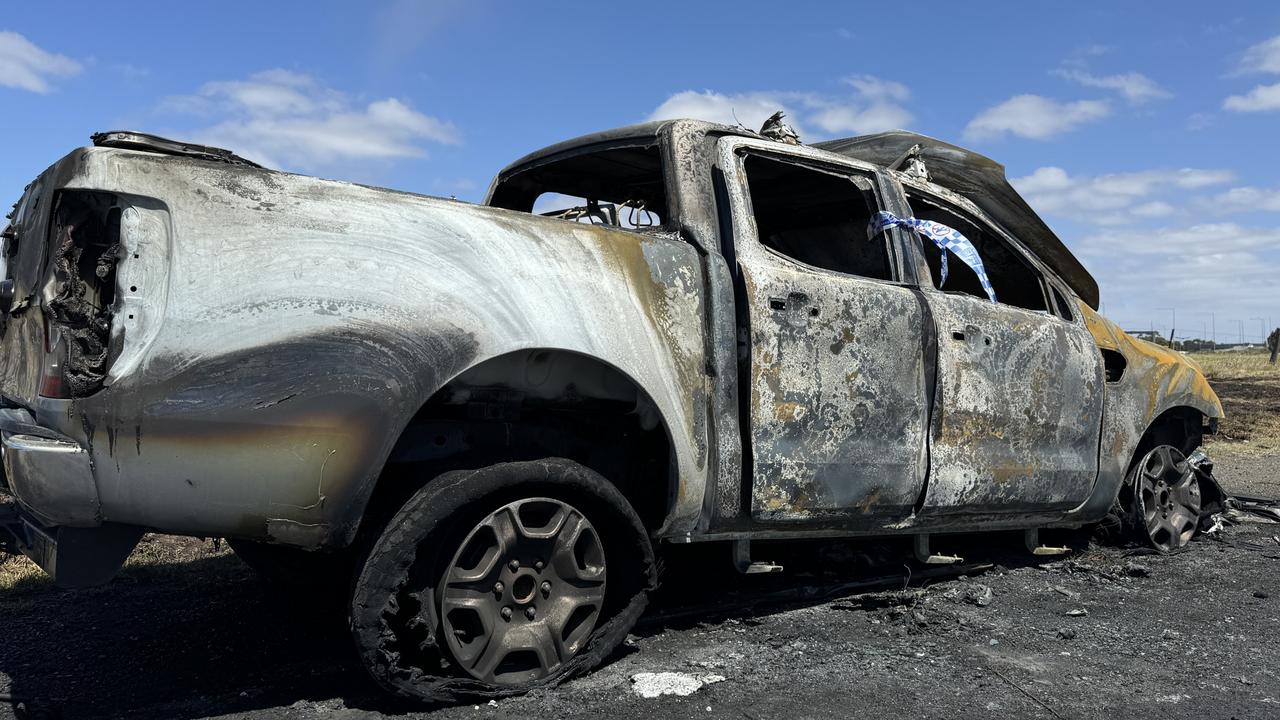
x,y
742,560
1032,540
924,555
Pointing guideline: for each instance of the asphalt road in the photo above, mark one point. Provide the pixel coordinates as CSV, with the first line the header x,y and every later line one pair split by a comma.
x,y
1193,635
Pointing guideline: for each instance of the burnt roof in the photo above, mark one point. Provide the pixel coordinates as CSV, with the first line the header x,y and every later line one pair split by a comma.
x,y
981,180
976,177
131,140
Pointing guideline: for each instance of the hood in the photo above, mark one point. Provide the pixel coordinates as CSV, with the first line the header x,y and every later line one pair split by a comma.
x,y
981,180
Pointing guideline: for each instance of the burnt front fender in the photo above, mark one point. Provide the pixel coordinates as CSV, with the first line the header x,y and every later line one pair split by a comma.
x,y
1149,382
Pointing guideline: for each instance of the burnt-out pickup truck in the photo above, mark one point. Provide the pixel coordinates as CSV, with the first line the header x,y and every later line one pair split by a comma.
x,y
490,415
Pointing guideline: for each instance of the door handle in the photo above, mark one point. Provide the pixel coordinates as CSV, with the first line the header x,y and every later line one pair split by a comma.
x,y
971,334
793,301
795,307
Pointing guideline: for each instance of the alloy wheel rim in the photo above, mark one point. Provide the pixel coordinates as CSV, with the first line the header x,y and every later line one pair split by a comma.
x,y
523,592
1169,498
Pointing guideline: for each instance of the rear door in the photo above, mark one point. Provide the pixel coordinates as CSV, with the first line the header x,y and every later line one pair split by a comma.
x,y
832,345
1020,381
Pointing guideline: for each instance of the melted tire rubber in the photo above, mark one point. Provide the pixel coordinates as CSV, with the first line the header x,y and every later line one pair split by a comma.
x,y
393,613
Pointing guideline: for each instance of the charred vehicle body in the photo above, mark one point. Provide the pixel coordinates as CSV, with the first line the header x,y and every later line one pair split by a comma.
x,y
491,414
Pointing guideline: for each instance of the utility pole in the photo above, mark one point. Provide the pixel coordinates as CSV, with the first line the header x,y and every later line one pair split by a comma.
x,y
1173,324
1212,337
1262,330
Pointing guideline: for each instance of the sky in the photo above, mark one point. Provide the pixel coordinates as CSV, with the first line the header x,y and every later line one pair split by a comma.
x,y
1146,139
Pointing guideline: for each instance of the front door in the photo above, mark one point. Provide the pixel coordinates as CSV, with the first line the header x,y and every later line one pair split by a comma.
x,y
1020,381
834,360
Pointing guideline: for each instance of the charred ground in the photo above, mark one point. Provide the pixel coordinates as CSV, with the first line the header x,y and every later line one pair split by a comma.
x,y
187,631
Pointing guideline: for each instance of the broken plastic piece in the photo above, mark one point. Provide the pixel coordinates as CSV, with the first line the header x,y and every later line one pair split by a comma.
x,y
1219,509
775,129
911,165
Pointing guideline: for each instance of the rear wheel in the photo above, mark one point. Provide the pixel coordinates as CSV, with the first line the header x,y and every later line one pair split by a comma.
x,y
523,592
491,582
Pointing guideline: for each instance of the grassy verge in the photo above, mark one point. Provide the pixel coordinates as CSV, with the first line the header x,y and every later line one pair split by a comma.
x,y
157,556
1249,387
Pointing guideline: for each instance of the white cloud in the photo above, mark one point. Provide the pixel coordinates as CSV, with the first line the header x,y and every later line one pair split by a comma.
x,y
1261,97
1199,121
282,118
1034,117
1203,238
1225,267
876,90
1245,199
25,66
875,105
1134,87
1113,198
846,119
751,109
1263,57
1153,209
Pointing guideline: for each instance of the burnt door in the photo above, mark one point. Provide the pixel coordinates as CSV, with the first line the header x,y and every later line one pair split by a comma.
x,y
832,350
1019,387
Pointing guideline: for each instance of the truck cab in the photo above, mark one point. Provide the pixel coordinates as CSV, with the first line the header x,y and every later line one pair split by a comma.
x,y
856,390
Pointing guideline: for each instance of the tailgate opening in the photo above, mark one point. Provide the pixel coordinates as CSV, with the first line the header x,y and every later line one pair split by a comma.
x,y
80,292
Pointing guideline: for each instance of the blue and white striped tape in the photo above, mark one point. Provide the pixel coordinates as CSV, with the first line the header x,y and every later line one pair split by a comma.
x,y
946,238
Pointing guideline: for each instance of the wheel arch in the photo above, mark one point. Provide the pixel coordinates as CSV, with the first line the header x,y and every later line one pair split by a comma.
x,y
513,405
1178,425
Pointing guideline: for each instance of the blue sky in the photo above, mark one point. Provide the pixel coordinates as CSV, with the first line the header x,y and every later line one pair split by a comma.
x,y
1147,139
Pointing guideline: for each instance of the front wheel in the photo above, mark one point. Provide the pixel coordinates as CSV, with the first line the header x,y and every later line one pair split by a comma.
x,y
1166,503
494,581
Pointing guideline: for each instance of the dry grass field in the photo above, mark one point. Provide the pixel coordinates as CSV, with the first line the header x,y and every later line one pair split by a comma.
x,y
1249,387
156,555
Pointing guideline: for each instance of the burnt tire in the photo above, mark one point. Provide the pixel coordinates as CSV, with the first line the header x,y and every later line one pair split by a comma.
x,y
289,567
443,538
